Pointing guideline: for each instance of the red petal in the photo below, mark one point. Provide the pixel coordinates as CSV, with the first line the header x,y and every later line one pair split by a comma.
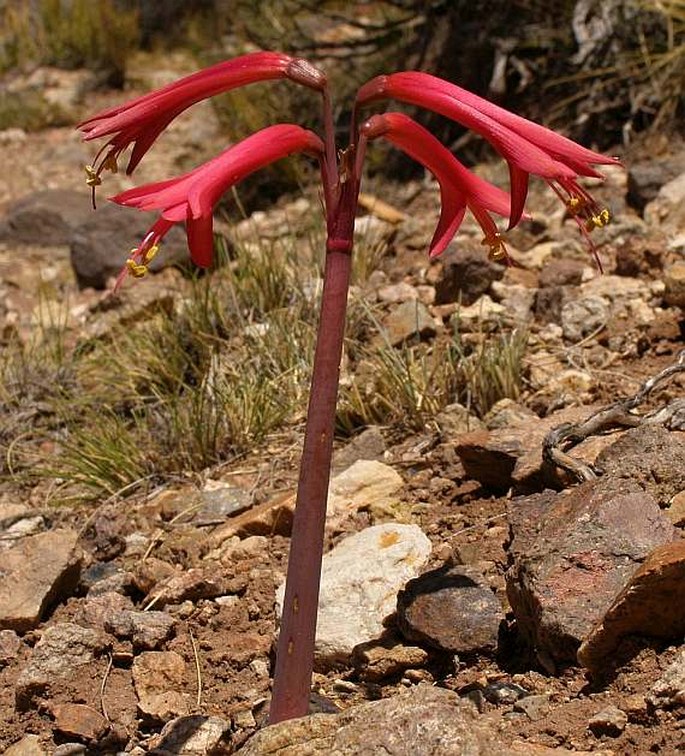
x,y
201,239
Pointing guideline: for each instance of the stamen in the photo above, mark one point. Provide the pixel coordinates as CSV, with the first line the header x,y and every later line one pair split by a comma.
x,y
575,205
110,163
599,220
498,250
92,176
137,270
150,253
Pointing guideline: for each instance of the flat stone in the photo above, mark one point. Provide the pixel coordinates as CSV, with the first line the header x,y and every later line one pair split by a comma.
x,y
147,630
161,680
512,455
386,659
650,604
410,320
582,316
29,745
191,736
610,721
198,583
534,707
669,689
369,445
452,610
63,647
34,575
97,611
79,721
572,553
421,721
364,484
676,510
650,455
360,579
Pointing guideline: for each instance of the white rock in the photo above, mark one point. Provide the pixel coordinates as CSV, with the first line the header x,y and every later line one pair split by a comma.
x,y
364,483
581,317
360,580
669,689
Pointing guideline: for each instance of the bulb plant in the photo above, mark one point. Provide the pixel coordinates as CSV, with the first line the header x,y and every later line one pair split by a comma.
x,y
528,148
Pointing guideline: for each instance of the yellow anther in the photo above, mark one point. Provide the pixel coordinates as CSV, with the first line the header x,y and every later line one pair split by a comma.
x,y
150,253
498,251
603,218
92,177
137,270
575,205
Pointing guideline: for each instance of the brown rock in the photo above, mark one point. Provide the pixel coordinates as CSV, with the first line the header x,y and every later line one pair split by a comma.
x,y
450,609
35,574
676,510
410,320
79,721
651,603
197,583
378,661
421,721
572,554
463,273
161,679
513,455
10,643
674,279
147,630
650,455
192,736
29,745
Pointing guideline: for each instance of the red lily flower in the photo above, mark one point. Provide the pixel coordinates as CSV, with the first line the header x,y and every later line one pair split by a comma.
x,y
141,120
527,146
459,188
192,196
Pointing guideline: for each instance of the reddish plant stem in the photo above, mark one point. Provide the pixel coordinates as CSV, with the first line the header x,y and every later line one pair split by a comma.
x,y
295,652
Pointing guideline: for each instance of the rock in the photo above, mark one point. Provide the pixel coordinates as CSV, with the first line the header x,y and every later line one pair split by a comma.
x,y
191,736
369,445
147,630
161,679
426,721
35,574
669,689
62,648
455,419
483,312
198,583
676,510
219,501
516,299
562,271
386,659
79,721
650,455
360,579
452,610
47,217
550,301
363,485
571,554
465,272
98,610
645,179
610,721
674,281
29,745
99,245
10,643
534,707
399,292
583,316
650,604
507,412
410,320
667,210
512,455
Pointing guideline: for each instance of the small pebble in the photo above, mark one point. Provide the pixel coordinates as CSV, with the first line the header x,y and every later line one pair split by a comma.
x,y
610,721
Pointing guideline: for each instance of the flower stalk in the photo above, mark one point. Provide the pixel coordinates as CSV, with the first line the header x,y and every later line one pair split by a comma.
x,y
190,199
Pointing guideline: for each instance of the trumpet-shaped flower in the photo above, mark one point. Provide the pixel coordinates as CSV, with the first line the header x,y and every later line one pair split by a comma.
x,y
191,198
459,188
528,147
141,120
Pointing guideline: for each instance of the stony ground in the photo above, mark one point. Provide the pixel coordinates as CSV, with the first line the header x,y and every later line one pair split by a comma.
x,y
475,598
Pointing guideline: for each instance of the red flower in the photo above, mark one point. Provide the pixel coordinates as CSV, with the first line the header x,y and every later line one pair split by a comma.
x,y
459,188
192,197
141,120
527,146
